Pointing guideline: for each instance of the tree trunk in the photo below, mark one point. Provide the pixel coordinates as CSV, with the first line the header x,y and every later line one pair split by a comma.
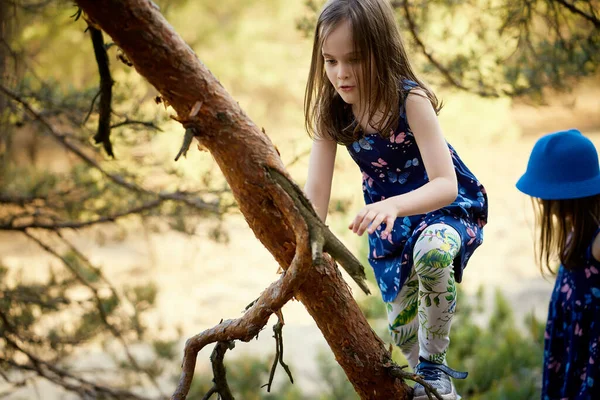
x,y
244,155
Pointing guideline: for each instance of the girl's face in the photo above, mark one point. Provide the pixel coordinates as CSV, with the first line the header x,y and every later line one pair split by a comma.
x,y
342,63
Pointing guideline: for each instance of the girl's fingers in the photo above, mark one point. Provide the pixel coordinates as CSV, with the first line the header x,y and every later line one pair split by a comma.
x,y
376,222
358,220
389,225
355,221
366,222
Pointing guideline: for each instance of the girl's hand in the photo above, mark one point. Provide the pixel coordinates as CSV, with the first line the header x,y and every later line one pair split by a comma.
x,y
373,215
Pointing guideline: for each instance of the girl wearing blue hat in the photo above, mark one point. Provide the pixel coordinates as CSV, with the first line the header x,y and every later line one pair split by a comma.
x,y
563,176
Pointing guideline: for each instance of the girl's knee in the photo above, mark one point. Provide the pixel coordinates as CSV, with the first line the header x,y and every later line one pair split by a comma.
x,y
436,248
438,235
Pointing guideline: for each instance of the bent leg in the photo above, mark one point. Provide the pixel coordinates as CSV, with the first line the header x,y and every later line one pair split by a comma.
x,y
433,256
403,321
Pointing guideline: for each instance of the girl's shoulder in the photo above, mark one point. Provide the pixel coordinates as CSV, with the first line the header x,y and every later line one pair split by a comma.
x,y
412,92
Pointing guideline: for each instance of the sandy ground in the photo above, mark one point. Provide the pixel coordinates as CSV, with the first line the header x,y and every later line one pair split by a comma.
x,y
201,282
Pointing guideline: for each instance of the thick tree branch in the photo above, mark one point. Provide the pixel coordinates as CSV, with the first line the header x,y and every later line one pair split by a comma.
x,y
245,154
321,236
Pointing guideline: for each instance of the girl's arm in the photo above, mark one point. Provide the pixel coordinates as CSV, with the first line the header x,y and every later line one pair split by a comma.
x,y
596,248
442,187
320,175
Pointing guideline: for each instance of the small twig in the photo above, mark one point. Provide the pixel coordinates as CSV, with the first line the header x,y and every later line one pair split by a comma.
x,y
590,17
94,268
210,392
91,107
219,373
82,224
250,305
398,372
134,122
297,158
278,335
190,132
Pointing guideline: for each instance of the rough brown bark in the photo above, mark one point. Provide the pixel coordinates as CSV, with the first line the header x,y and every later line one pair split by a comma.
x,y
244,154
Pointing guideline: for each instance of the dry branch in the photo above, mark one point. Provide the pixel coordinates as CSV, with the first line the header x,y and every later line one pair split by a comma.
x,y
220,378
278,336
106,84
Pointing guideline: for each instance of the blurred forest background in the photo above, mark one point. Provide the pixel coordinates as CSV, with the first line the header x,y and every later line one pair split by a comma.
x,y
107,264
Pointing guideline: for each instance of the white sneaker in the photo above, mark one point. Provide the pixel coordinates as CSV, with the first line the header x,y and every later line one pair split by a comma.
x,y
438,377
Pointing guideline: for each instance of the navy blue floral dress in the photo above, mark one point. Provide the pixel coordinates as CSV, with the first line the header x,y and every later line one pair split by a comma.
x,y
393,166
572,339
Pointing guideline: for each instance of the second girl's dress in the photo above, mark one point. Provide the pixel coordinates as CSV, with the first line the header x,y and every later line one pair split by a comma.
x,y
393,166
572,345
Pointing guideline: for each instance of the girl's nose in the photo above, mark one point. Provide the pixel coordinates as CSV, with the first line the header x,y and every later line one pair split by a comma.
x,y
343,72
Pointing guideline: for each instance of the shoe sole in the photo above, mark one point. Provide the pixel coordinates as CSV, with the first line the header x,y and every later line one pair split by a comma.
x,y
450,396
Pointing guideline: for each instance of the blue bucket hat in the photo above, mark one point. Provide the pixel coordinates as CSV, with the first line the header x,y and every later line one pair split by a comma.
x,y
563,165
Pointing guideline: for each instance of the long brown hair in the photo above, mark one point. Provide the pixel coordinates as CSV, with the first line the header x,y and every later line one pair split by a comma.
x,y
565,229
376,37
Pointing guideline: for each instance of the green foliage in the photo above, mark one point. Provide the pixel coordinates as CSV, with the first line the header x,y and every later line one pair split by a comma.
x,y
245,376
501,48
504,360
334,383
166,349
143,296
307,23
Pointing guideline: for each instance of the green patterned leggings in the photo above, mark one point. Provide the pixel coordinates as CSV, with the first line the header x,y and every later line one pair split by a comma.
x,y
428,293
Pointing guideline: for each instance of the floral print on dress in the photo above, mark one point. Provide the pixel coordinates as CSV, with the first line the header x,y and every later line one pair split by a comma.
x,y
572,337
393,166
